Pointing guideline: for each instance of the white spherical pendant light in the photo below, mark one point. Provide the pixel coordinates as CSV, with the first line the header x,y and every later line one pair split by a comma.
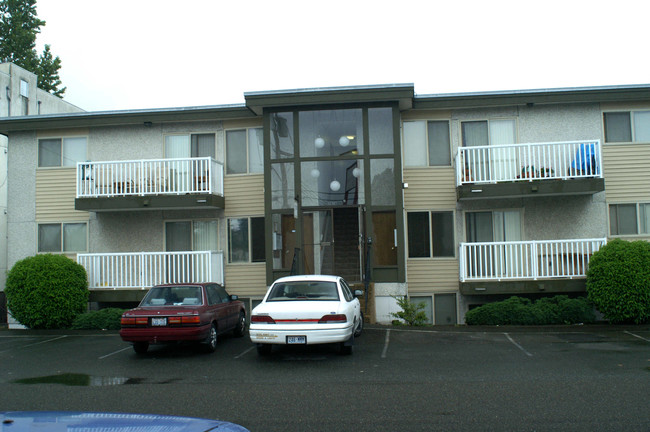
x,y
319,143
335,186
344,141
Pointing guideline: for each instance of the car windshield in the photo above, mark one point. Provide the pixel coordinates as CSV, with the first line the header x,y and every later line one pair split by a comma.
x,y
304,290
173,295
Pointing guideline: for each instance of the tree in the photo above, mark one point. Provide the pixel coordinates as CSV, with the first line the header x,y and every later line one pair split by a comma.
x,y
19,26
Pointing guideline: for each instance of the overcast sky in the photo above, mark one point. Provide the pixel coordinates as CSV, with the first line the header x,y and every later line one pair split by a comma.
x,y
131,54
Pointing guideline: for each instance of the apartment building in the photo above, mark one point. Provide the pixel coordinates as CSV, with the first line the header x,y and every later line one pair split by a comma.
x,y
455,200
20,96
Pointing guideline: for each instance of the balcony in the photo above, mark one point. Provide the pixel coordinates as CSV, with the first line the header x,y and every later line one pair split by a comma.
x,y
141,270
150,184
526,266
534,169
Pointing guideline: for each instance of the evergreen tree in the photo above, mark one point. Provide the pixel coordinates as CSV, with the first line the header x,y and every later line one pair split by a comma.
x,y
19,26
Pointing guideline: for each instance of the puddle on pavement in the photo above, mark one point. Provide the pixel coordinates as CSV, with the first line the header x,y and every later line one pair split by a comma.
x,y
72,379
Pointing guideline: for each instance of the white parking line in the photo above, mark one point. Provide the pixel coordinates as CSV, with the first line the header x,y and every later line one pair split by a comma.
x,y
517,345
383,353
636,336
240,355
118,351
36,343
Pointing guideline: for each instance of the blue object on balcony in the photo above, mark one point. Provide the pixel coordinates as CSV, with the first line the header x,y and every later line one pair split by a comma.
x,y
585,161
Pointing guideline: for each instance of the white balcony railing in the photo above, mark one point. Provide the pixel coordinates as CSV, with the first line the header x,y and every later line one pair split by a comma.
x,y
149,177
527,162
549,259
140,270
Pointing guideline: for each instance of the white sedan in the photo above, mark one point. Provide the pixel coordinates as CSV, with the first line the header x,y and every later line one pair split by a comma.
x,y
305,310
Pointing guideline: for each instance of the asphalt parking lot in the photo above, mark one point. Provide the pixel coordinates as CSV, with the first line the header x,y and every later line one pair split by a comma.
x,y
442,378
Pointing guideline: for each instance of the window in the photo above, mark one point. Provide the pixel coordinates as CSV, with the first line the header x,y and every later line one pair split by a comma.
x,y
430,234
191,236
62,237
628,126
245,151
629,219
246,240
495,226
190,145
426,143
57,152
492,132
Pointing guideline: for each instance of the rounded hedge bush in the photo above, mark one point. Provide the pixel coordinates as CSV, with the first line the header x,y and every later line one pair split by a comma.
x,y
103,319
618,281
521,311
46,291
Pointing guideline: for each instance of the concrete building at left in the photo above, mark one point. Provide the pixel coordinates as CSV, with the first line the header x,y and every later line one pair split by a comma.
x,y
19,97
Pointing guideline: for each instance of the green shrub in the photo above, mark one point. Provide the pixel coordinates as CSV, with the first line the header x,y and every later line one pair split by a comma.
x,y
521,311
103,319
618,281
413,314
46,291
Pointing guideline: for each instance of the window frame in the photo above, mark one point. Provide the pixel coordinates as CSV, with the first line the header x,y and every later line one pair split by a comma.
x,y
637,213
192,240
489,120
62,139
426,143
430,232
247,131
61,250
189,135
251,236
631,114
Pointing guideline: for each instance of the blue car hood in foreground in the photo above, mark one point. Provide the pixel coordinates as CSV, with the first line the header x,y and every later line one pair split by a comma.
x,y
34,421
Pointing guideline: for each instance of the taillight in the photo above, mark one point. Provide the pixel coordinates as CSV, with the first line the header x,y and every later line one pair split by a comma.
x,y
336,318
191,319
141,321
262,319
174,320
127,321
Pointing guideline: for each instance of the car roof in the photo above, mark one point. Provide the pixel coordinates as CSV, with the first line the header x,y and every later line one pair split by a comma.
x,y
303,278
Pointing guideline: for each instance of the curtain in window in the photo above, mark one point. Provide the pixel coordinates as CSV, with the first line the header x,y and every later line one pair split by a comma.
x,y
49,238
503,161
642,126
439,145
203,145
177,146
74,150
255,150
205,237
178,236
477,162
415,151
236,152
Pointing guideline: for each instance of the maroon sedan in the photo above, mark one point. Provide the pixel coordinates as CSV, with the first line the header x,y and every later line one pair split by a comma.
x,y
183,312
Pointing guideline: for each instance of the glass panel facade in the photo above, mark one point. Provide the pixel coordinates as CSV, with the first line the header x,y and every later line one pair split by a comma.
x,y
332,183
382,182
282,139
331,133
380,130
283,191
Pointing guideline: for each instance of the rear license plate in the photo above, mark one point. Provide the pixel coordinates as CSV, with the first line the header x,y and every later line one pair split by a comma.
x,y
158,321
296,339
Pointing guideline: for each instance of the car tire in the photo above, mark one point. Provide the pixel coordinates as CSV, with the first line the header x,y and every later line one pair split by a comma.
x,y
140,347
359,329
264,349
240,329
210,343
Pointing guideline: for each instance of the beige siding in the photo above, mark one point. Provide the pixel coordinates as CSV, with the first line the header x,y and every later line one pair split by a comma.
x,y
244,195
246,280
430,188
627,172
427,276
55,195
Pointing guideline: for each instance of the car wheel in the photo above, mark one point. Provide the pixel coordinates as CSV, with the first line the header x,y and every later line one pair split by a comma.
x,y
241,325
264,349
211,341
140,347
357,331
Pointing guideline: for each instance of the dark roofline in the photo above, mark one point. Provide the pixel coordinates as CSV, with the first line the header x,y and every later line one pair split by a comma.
x,y
126,117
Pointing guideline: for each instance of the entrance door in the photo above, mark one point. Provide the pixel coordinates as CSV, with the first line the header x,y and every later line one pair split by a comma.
x,y
331,242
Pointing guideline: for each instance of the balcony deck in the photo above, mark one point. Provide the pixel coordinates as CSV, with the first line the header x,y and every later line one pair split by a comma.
x,y
519,170
526,266
149,184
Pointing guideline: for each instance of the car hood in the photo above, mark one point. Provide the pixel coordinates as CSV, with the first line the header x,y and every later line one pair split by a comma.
x,y
296,309
27,421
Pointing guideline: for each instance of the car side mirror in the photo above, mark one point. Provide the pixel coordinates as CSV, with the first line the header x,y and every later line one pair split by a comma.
x,y
234,297
358,293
